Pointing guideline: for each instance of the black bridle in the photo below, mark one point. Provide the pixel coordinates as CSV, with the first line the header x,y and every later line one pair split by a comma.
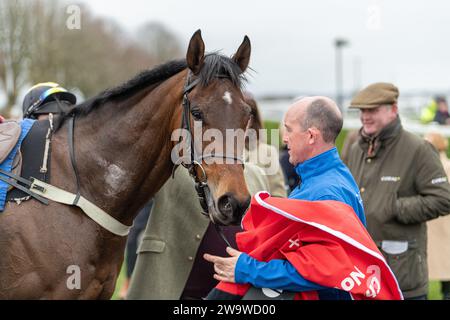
x,y
194,161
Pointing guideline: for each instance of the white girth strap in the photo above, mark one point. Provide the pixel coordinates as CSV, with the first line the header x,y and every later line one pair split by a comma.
x,y
91,210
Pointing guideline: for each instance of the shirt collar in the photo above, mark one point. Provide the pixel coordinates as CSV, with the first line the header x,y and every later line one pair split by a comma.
x,y
317,164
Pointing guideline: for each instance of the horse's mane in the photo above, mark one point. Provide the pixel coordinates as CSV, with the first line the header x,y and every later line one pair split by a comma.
x,y
214,64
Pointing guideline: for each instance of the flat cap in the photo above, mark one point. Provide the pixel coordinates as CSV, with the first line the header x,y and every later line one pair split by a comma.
x,y
375,95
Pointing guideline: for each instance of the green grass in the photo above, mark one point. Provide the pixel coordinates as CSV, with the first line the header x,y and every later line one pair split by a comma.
x,y
119,282
434,291
270,125
340,139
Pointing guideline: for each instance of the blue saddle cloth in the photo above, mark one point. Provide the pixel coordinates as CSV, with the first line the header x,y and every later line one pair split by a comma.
x,y
6,165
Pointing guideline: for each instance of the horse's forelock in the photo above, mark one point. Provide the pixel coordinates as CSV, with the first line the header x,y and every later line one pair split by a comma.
x,y
216,65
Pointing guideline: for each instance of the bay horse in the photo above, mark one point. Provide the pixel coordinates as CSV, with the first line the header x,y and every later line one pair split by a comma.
x,y
122,146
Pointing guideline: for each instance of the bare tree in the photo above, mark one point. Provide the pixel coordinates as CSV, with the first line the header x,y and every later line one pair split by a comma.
x,y
47,31
93,58
14,40
159,41
36,46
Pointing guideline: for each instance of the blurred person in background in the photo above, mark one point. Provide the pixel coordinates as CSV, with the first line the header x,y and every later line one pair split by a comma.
x,y
262,154
439,229
429,112
432,113
442,116
133,241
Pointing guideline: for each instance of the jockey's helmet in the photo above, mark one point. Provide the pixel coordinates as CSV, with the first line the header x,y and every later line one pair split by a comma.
x,y
46,98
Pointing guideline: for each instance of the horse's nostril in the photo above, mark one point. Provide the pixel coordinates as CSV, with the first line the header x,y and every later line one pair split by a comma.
x,y
226,204
230,207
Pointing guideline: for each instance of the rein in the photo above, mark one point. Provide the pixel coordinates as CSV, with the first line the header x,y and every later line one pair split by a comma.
x,y
43,191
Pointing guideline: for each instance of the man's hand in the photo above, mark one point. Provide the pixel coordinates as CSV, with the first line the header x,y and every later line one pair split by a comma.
x,y
224,267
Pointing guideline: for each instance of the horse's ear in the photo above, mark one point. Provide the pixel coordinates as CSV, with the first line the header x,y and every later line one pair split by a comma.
x,y
242,55
196,52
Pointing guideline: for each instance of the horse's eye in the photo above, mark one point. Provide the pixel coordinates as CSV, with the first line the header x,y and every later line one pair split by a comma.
x,y
197,114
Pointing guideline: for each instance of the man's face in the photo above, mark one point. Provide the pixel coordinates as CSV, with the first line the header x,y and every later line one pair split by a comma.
x,y
442,106
375,119
295,137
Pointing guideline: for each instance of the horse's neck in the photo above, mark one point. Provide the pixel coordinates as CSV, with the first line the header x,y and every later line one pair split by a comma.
x,y
123,154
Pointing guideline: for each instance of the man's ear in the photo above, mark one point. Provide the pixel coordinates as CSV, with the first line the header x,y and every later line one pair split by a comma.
x,y
395,108
314,135
393,112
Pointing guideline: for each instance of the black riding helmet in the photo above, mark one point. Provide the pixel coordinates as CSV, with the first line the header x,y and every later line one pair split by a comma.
x,y
41,98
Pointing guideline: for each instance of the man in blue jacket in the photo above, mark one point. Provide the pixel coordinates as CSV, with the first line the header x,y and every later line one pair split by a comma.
x,y
311,127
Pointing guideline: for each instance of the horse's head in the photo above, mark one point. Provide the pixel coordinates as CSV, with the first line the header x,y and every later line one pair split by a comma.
x,y
216,115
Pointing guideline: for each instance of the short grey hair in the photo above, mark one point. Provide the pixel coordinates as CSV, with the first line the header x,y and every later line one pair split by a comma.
x,y
321,115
